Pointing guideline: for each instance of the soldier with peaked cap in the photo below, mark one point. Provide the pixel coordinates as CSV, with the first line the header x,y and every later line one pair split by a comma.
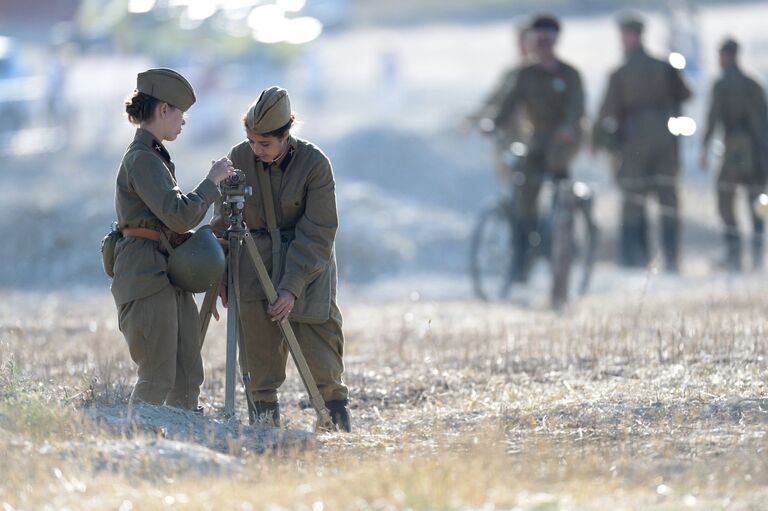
x,y
550,94
294,187
159,320
643,94
738,106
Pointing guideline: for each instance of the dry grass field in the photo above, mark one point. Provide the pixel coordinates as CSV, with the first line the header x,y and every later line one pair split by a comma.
x,y
644,400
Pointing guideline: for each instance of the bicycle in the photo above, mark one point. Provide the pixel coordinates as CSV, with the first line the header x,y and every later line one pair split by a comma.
x,y
566,235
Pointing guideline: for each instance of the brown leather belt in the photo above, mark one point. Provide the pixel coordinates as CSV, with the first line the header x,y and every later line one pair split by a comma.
x,y
141,232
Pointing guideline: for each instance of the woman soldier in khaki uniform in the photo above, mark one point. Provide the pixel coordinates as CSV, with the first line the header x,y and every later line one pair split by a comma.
x,y
298,178
159,321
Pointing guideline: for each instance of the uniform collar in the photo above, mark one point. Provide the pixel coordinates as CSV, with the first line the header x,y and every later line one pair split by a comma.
x,y
555,70
148,139
733,69
637,53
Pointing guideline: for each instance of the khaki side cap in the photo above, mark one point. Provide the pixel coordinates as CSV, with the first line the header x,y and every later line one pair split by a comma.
x,y
270,112
167,85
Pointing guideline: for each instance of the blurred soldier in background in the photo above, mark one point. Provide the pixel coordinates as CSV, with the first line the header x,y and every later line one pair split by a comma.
x,y
738,106
515,129
643,94
550,94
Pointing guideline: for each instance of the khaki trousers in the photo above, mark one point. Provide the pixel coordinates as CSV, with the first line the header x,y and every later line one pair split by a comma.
x,y
163,336
648,170
267,352
728,181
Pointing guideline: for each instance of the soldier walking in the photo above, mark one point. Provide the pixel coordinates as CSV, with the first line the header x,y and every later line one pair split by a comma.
x,y
293,220
738,106
159,320
549,93
643,94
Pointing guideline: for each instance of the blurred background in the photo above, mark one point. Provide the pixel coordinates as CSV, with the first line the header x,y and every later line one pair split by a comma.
x,y
382,87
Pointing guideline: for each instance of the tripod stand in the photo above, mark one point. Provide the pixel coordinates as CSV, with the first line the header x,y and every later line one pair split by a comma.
x,y
237,236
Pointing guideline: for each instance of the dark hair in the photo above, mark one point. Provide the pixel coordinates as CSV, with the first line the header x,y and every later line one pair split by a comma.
x,y
545,22
730,47
140,107
279,132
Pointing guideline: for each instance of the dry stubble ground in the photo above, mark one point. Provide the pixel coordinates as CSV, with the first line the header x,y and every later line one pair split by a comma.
x,y
641,400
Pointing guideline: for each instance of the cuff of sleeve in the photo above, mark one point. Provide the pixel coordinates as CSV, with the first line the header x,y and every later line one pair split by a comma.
x,y
208,190
292,283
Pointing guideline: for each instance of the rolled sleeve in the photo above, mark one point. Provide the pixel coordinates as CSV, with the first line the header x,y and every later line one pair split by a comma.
x,y
293,283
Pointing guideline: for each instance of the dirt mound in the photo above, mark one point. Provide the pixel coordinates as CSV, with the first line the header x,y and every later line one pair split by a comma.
x,y
186,434
148,458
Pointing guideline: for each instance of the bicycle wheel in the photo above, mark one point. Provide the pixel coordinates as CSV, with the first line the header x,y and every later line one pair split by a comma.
x,y
586,235
490,255
561,243
574,238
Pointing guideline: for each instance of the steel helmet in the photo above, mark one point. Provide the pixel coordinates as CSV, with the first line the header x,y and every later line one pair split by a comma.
x,y
197,264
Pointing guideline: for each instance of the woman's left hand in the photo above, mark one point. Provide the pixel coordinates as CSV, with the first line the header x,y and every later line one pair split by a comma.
x,y
283,306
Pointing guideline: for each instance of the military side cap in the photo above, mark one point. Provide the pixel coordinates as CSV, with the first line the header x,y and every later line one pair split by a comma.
x,y
632,23
270,112
730,46
167,85
545,22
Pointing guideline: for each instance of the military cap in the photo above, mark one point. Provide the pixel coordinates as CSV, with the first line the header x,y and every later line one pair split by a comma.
x,y
167,85
730,46
632,23
545,22
270,112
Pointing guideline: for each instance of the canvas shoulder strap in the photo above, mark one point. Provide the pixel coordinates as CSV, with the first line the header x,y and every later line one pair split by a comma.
x,y
265,187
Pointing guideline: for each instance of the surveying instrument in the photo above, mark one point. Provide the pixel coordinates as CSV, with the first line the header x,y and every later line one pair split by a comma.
x,y
234,190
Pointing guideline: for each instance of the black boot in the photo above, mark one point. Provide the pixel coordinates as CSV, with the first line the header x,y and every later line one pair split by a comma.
x,y
520,252
732,259
625,245
633,245
265,413
340,414
757,253
670,244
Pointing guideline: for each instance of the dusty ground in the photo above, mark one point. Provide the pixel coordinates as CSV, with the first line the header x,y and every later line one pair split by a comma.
x,y
653,398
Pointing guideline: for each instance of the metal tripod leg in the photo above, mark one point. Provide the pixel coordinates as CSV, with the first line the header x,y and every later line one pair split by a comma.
x,y
324,421
206,312
244,370
232,328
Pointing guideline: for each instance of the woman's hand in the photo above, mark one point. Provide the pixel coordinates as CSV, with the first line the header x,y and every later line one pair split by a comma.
x,y
283,306
220,170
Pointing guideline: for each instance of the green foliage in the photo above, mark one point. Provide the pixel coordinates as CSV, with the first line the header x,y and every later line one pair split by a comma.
x,y
26,408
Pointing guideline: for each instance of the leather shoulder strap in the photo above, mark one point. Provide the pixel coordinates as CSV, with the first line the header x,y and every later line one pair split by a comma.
x,y
265,188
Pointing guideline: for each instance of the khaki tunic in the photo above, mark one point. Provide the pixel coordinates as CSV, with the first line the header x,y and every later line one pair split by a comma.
x,y
738,106
642,95
305,202
159,322
551,100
